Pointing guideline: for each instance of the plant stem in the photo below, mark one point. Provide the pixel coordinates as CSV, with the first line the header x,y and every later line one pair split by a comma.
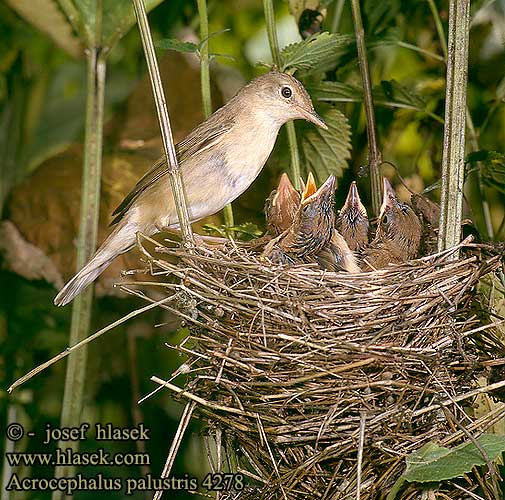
x,y
451,202
276,57
475,189
204,59
166,131
88,229
375,155
273,41
337,15
439,27
205,84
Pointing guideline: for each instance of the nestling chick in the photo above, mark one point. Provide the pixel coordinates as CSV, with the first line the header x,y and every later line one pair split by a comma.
x,y
311,229
218,160
337,256
281,207
352,221
398,233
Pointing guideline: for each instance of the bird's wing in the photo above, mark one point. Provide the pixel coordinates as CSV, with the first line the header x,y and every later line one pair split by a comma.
x,y
196,142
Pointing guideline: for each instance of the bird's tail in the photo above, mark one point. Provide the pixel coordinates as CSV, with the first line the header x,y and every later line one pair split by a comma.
x,y
118,242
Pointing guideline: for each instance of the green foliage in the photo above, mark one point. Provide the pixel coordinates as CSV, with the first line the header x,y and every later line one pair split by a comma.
x,y
434,463
317,53
492,168
389,94
177,45
326,151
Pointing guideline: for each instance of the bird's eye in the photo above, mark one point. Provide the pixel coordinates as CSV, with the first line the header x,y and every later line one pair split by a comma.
x,y
385,219
286,91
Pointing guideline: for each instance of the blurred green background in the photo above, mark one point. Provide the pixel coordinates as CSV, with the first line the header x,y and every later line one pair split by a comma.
x,y
42,103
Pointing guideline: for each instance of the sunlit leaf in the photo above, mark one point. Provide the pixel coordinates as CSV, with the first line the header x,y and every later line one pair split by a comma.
x,y
326,152
318,52
177,45
436,463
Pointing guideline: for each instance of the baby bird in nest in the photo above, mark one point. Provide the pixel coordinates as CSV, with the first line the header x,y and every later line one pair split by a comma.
x,y
281,207
398,233
311,228
350,233
352,221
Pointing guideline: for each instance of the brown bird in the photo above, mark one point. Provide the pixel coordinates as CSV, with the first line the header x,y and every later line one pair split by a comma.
x,y
398,233
219,160
352,221
311,229
281,207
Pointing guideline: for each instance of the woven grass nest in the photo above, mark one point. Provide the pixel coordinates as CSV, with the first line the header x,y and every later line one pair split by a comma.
x,y
319,382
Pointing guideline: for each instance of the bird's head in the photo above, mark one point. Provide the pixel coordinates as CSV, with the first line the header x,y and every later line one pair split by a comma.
x,y
316,216
281,97
398,222
353,213
281,206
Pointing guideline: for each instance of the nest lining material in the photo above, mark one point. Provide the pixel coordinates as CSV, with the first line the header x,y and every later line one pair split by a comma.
x,y
290,363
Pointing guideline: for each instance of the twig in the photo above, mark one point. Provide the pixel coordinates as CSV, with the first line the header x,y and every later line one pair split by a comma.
x,y
176,443
361,443
375,155
86,341
164,120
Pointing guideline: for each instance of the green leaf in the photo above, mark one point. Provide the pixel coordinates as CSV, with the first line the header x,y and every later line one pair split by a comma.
x,y
118,18
177,45
433,463
318,52
326,152
492,168
389,94
48,18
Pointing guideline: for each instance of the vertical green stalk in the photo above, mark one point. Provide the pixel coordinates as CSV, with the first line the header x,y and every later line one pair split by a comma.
x,y
88,229
337,15
205,83
475,189
268,8
204,58
375,155
453,159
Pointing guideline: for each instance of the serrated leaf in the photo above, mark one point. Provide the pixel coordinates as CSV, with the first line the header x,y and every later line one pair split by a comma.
x,y
433,463
318,52
48,18
177,45
326,152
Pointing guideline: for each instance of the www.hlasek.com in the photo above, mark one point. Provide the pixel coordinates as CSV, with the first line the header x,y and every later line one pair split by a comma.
x,y
79,482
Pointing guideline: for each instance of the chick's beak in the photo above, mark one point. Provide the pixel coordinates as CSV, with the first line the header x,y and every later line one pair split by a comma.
x,y
285,188
311,116
353,200
323,193
309,188
388,197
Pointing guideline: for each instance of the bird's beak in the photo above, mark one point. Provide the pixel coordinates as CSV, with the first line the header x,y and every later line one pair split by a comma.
x,y
388,197
325,191
312,116
284,189
353,200
309,188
